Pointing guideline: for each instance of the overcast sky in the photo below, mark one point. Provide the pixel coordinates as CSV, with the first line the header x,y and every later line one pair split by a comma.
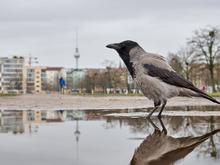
x,y
46,28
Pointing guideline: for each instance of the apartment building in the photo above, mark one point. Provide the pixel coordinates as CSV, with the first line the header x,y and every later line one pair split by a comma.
x,y
12,78
41,79
36,79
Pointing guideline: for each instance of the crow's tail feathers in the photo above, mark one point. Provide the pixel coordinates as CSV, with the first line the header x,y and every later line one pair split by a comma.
x,y
202,94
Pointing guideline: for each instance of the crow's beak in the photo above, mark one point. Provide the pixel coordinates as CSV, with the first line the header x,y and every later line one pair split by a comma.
x,y
115,46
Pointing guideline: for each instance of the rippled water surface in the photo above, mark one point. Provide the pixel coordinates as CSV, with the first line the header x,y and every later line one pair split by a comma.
x,y
99,137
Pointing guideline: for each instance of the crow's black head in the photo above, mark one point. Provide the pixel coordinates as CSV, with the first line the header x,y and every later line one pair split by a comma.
x,y
123,49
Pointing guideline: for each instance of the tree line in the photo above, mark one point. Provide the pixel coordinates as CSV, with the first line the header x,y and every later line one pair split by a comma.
x,y
99,80
199,59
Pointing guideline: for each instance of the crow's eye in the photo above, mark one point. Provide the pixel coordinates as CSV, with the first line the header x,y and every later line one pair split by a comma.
x,y
122,45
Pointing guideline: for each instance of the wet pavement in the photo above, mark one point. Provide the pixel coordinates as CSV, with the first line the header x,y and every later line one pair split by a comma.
x,y
56,101
106,137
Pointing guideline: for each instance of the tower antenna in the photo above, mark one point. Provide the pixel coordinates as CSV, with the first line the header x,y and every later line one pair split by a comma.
x,y
76,54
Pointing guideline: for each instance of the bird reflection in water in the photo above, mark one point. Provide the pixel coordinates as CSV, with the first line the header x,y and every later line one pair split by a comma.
x,y
161,149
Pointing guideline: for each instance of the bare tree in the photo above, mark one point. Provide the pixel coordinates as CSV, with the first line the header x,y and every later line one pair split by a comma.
x,y
88,83
182,61
206,45
109,63
176,62
188,59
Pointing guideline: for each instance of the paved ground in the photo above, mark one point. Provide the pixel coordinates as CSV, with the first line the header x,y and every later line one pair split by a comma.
x,y
57,101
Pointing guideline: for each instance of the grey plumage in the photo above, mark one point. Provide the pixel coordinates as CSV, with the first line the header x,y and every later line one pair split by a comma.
x,y
154,76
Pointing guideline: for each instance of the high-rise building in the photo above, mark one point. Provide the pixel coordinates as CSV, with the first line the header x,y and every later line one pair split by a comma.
x,y
12,78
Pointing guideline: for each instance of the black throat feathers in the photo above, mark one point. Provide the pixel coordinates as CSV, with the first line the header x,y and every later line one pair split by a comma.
x,y
125,57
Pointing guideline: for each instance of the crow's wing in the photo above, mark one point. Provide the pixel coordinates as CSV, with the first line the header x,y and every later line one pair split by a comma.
x,y
156,56
156,60
158,67
168,76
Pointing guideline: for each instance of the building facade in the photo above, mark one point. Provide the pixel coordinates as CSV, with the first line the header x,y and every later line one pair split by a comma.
x,y
12,78
36,79
42,79
52,75
74,78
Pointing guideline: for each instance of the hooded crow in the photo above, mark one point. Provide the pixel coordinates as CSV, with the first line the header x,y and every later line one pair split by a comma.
x,y
154,76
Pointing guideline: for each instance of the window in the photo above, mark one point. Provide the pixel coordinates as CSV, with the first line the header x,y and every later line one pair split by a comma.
x,y
10,75
12,66
13,70
30,75
30,79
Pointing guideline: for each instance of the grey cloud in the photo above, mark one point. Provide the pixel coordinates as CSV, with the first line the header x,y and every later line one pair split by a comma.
x,y
52,10
46,28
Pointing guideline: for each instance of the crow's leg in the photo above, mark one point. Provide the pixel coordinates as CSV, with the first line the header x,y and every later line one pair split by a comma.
x,y
163,126
152,123
152,111
162,108
156,106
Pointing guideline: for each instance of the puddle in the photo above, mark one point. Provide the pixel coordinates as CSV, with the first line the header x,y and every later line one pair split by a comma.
x,y
100,137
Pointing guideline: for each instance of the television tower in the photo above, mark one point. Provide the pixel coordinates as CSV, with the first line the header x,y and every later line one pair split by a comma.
x,y
76,54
